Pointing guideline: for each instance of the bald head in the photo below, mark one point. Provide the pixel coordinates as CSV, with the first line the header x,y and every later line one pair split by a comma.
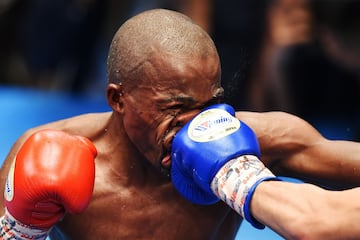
x,y
152,32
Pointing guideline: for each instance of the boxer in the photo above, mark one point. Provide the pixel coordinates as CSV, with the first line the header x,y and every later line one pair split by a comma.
x,y
163,70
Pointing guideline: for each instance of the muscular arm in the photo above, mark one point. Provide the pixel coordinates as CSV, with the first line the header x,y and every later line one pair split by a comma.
x,y
304,211
292,147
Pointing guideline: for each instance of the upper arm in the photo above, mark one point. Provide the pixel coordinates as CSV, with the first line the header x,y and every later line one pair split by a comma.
x,y
281,135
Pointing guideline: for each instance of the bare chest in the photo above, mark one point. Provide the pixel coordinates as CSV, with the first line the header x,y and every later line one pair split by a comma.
x,y
132,213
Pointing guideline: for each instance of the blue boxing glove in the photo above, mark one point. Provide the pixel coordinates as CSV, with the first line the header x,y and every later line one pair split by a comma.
x,y
215,156
203,146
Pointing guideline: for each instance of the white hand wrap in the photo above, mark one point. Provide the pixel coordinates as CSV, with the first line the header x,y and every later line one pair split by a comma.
x,y
236,181
13,229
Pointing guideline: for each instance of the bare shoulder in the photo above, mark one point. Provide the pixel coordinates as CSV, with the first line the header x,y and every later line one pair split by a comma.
x,y
87,125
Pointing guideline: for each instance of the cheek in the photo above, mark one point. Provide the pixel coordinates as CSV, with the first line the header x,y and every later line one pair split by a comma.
x,y
141,128
137,127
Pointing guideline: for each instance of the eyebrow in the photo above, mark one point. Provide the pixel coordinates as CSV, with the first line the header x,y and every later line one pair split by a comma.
x,y
188,99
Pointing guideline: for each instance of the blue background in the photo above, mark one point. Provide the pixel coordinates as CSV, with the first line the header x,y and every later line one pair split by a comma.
x,y
25,108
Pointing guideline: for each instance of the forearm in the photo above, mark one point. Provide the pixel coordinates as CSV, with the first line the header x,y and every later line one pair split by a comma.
x,y
304,211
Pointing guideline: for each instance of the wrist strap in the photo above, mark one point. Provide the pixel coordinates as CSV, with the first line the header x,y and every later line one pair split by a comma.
x,y
236,181
13,229
247,214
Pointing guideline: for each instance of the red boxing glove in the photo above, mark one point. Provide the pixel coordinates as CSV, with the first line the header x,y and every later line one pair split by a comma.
x,y
53,173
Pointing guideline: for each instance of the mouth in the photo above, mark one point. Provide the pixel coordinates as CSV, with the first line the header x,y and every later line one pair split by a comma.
x,y
167,143
166,161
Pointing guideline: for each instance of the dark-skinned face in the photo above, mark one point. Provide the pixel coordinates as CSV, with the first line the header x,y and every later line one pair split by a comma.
x,y
169,97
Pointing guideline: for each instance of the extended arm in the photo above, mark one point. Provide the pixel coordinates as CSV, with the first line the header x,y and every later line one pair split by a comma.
x,y
214,157
292,147
305,211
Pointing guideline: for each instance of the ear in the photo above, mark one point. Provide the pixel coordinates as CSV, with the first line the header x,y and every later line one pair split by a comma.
x,y
114,94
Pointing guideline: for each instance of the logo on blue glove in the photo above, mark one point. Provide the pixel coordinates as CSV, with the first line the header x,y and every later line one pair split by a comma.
x,y
211,125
